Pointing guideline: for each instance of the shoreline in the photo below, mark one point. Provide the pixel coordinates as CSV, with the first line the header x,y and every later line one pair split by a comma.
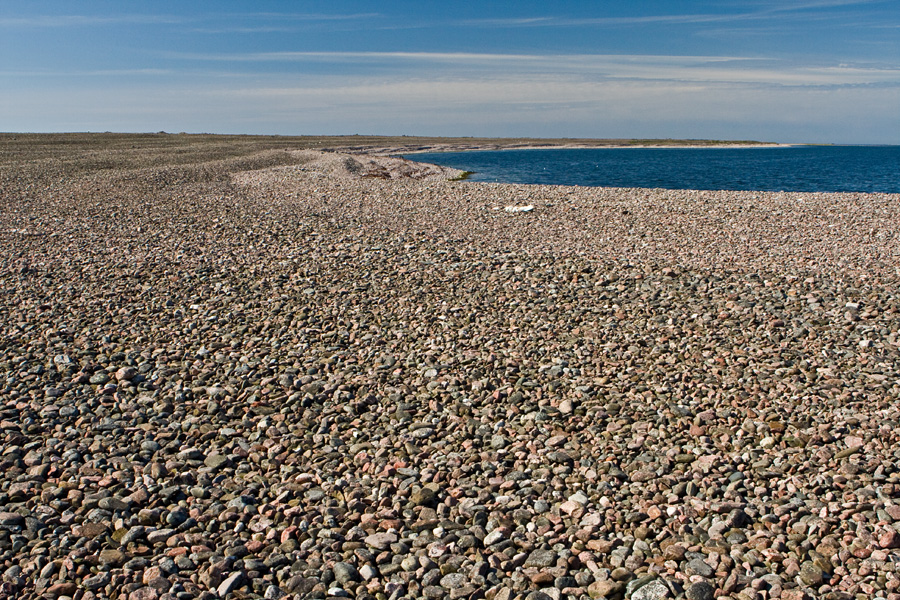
x,y
609,147
397,151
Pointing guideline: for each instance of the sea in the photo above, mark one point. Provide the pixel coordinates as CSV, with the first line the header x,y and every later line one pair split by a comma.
x,y
764,168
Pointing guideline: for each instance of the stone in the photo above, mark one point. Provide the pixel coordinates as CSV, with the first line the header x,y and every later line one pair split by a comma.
x,y
345,573
96,582
893,511
453,580
112,503
273,592
126,373
494,537
541,559
795,594
560,457
579,497
504,593
811,574
93,530
300,585
63,588
605,588
655,590
423,497
144,593
216,461
132,535
700,590
367,572
159,536
11,519
699,567
112,557
231,583
380,541
889,539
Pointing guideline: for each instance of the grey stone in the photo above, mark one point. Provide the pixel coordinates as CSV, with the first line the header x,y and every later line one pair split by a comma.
x,y
700,590
367,572
216,461
274,592
345,573
380,541
112,503
655,590
541,559
453,580
233,582
96,582
699,567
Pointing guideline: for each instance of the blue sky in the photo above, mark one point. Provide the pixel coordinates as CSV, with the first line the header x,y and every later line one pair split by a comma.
x,y
777,70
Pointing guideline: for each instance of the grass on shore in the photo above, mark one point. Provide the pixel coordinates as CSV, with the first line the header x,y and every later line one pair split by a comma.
x,y
462,176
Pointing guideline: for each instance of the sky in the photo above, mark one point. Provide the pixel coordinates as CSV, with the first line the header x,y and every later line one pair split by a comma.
x,y
790,71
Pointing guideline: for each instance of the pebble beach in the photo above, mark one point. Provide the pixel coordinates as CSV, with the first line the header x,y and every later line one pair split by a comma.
x,y
295,373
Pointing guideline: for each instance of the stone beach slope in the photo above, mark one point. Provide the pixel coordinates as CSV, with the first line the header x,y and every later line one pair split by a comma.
x,y
307,375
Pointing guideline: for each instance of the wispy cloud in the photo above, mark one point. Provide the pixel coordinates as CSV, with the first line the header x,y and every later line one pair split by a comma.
x,y
768,11
602,21
306,16
55,21
789,5
548,104
88,73
244,29
551,103
344,56
698,69
277,22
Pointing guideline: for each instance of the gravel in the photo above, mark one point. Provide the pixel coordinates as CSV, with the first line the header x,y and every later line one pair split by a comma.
x,y
311,375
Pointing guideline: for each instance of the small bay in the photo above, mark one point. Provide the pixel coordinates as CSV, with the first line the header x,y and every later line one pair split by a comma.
x,y
767,168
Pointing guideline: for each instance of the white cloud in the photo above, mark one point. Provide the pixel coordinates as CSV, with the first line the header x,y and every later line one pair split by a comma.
x,y
88,73
305,16
80,20
705,69
491,95
778,10
276,22
553,106
56,21
602,21
457,57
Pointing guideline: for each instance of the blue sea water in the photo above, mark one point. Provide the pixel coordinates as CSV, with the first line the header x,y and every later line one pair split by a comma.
x,y
783,168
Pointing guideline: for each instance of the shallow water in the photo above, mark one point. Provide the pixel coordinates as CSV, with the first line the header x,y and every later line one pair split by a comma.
x,y
792,168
